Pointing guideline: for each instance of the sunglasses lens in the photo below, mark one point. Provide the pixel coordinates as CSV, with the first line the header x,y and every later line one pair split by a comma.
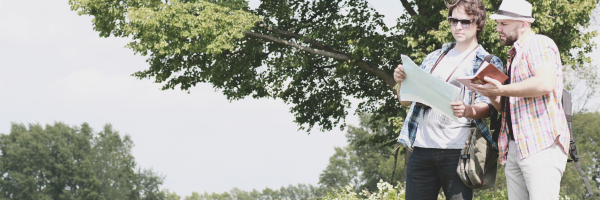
x,y
453,21
465,23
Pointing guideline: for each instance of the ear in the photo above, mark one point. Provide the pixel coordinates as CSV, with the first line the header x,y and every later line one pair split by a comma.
x,y
523,26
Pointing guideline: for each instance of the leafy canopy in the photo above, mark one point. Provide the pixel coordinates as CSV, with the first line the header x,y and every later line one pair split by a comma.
x,y
313,54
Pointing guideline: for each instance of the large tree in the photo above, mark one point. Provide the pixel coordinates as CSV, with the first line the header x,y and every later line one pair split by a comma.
x,y
312,54
63,162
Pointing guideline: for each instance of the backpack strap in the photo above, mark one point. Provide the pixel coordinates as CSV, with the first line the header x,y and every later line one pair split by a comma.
x,y
568,108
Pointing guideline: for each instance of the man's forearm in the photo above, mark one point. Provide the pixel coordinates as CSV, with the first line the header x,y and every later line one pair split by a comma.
x,y
542,83
496,102
477,111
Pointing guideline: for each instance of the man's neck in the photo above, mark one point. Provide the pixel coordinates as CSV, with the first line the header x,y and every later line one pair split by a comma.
x,y
525,33
466,45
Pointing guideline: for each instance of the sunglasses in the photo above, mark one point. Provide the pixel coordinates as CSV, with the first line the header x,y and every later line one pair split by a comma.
x,y
465,23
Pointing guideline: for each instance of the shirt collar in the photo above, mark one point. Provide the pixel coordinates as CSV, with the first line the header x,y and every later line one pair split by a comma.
x,y
480,52
519,43
448,45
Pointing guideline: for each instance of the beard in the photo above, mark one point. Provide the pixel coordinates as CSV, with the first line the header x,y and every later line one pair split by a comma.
x,y
509,40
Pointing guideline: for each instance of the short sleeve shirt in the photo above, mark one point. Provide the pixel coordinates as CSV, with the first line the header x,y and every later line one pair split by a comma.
x,y
536,121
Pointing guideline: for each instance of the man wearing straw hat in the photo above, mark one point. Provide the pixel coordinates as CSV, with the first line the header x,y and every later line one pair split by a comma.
x,y
534,137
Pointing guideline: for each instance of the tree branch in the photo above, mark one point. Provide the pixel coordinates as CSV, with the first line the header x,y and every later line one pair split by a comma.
x,y
379,72
303,38
338,56
328,66
360,63
395,160
408,8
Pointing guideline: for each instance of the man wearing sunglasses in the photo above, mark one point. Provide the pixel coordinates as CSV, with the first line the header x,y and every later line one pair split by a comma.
x,y
437,140
534,136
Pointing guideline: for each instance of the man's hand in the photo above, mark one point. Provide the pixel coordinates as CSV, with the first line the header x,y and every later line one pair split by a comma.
x,y
458,108
493,89
399,77
399,74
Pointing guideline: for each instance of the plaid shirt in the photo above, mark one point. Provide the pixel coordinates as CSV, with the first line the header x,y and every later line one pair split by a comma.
x,y
409,128
536,121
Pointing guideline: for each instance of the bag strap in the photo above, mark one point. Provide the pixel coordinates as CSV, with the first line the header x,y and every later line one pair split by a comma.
x,y
439,59
457,66
568,108
488,59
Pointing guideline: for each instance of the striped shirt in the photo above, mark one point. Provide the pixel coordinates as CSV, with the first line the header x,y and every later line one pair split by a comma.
x,y
536,121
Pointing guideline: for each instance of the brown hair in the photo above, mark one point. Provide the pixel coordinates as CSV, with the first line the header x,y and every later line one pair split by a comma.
x,y
473,8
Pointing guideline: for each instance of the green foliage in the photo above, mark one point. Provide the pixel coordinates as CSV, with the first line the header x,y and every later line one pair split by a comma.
x,y
172,196
312,54
62,162
586,130
388,192
385,192
299,192
362,163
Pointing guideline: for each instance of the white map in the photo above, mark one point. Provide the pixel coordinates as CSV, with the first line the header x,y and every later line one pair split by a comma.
x,y
420,86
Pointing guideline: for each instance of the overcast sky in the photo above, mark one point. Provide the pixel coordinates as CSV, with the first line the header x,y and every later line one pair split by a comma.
x,y
54,67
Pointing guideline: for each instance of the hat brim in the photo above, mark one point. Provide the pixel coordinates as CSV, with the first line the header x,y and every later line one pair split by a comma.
x,y
497,16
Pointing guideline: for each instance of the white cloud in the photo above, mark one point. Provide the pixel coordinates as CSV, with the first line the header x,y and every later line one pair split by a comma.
x,y
34,25
19,27
90,84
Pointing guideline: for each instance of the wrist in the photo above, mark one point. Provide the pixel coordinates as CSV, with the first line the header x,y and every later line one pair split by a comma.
x,y
468,111
501,91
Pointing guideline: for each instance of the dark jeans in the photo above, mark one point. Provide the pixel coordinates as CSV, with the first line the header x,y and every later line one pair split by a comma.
x,y
430,169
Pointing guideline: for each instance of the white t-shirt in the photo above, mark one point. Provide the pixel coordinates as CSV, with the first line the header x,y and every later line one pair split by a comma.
x,y
436,130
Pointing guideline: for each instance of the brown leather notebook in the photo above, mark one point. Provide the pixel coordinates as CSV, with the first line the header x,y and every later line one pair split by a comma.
x,y
486,69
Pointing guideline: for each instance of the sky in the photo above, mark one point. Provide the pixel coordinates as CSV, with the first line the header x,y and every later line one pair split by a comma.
x,y
55,67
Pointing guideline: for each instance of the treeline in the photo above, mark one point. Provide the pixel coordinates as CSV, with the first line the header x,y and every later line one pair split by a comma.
x,y
300,191
62,162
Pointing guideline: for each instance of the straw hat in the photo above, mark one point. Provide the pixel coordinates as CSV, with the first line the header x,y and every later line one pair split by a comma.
x,y
514,10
